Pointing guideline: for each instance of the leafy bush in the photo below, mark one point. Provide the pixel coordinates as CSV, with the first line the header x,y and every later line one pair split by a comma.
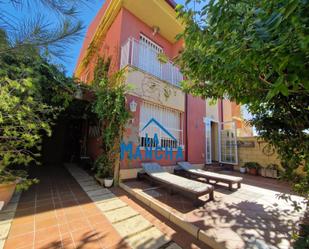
x,y
255,53
32,94
302,239
272,166
252,165
104,167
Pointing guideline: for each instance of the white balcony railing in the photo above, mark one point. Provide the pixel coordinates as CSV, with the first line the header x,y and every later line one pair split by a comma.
x,y
145,58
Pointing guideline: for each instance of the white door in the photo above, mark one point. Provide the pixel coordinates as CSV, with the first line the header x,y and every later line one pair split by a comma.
x,y
228,143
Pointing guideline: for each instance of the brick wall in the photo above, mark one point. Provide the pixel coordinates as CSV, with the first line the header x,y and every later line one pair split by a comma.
x,y
253,149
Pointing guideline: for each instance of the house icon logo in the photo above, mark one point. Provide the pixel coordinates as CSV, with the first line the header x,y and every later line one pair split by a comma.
x,y
152,149
152,120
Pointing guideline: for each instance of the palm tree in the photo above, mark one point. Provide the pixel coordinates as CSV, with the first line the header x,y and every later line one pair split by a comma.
x,y
50,34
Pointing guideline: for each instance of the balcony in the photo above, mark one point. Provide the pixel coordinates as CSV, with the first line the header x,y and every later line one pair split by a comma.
x,y
145,58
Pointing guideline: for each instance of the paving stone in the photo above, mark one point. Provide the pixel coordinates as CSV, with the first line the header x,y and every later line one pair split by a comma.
x,y
111,205
132,226
97,192
86,180
103,198
6,216
92,188
11,207
82,178
4,230
173,246
88,183
149,239
15,198
120,214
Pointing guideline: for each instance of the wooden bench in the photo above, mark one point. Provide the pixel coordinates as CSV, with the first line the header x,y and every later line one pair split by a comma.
x,y
186,169
154,173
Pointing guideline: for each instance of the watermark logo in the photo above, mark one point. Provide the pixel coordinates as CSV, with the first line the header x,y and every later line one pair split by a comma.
x,y
152,146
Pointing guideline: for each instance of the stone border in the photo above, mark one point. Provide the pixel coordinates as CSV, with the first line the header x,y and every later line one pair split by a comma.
x,y
195,231
6,218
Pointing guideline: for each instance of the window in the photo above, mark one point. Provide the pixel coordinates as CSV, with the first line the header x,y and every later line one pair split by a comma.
x,y
170,120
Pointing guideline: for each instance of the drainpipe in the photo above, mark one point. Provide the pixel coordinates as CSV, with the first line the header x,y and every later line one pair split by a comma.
x,y
186,122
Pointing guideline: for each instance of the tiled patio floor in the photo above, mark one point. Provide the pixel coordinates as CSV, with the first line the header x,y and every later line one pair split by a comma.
x,y
251,217
57,213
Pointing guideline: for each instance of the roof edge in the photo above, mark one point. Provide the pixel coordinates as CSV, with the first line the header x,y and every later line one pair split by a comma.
x,y
172,3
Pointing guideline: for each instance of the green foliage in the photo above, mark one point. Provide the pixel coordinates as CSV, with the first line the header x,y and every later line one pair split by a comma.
x,y
32,94
51,33
111,111
256,53
302,240
272,166
161,57
252,165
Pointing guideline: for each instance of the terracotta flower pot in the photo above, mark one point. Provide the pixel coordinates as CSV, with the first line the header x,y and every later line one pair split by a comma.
x,y
253,171
6,192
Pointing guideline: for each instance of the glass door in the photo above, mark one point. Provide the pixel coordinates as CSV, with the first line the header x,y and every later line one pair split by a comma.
x,y
228,143
208,140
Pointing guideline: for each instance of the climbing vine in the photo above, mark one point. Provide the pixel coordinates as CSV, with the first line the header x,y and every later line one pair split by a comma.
x,y
110,108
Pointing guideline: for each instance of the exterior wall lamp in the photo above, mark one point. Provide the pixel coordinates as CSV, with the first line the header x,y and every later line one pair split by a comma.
x,y
133,106
156,30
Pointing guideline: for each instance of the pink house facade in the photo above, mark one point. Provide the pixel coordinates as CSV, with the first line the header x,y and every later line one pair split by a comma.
x,y
134,34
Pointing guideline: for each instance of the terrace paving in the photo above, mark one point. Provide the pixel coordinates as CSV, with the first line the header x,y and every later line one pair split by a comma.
x,y
61,212
251,217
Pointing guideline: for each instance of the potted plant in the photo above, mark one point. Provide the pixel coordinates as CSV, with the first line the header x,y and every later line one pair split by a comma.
x,y
10,180
104,171
252,167
271,170
242,169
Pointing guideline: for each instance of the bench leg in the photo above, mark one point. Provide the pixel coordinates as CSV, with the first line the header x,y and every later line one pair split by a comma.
x,y
197,202
238,185
170,190
230,186
211,196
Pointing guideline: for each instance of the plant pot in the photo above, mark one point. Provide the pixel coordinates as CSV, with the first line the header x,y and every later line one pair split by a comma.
x,y
253,171
271,173
108,182
263,172
242,170
6,192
